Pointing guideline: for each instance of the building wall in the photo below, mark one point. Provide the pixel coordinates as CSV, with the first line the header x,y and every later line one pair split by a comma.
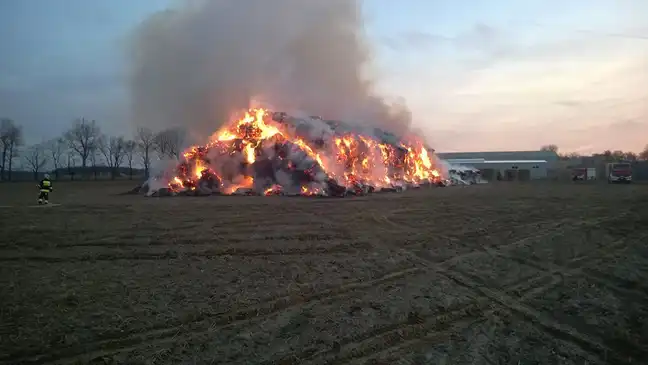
x,y
550,157
535,170
640,171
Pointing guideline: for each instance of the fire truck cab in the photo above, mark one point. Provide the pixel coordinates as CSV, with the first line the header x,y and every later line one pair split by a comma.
x,y
619,172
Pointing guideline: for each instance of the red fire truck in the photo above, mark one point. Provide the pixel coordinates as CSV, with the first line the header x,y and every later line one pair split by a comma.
x,y
619,172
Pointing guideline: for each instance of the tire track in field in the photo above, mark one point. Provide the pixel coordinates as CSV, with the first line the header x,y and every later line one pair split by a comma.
x,y
347,348
576,266
447,264
173,238
549,326
464,228
537,318
394,353
550,277
380,340
345,247
558,272
119,344
547,232
176,255
386,337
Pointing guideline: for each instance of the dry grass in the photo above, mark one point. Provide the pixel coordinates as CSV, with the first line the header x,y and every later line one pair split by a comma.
x,y
497,274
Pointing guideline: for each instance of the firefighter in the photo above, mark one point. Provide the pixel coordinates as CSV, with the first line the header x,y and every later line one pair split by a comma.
x,y
45,187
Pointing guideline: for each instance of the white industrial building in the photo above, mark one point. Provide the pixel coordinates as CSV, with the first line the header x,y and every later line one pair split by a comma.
x,y
522,165
507,169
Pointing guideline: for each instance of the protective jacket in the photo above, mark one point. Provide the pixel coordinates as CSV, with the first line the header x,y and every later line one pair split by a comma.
x,y
45,185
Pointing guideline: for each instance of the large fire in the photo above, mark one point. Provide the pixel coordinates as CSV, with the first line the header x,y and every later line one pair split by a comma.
x,y
263,153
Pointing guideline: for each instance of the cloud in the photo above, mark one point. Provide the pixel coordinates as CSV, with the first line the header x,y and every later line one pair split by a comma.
x,y
47,102
413,40
569,103
45,112
616,135
60,63
492,85
502,89
480,38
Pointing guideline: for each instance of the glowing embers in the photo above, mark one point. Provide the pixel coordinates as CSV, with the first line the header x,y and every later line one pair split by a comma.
x,y
257,155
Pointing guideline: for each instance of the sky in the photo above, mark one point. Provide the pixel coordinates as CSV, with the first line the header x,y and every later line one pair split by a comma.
x,y
477,74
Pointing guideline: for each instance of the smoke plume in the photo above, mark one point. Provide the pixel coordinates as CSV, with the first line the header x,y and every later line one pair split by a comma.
x,y
197,63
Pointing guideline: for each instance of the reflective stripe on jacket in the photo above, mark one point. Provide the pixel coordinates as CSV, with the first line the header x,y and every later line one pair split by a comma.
x,y
45,185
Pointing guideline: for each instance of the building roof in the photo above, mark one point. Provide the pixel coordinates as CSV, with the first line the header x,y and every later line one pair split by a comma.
x,y
464,160
515,161
501,155
474,161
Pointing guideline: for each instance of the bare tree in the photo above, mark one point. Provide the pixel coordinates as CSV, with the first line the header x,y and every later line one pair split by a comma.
x,y
5,127
644,154
572,155
618,155
630,156
36,158
56,148
130,147
607,155
93,162
549,148
113,150
70,164
168,142
146,143
83,138
11,137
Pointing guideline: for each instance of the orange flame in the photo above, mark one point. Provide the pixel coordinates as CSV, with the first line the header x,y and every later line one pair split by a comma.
x,y
349,159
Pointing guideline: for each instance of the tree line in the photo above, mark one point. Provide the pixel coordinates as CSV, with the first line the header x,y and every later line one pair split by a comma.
x,y
85,146
607,155
84,142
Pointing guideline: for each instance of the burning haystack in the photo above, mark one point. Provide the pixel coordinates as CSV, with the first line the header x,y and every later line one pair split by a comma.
x,y
266,153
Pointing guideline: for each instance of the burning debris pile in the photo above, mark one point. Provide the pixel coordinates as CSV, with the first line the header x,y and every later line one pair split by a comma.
x,y
267,153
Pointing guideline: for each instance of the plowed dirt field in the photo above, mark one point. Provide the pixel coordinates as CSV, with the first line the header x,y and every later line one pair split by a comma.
x,y
503,273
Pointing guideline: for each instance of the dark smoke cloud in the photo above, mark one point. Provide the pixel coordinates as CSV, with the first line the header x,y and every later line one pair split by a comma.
x,y
197,63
